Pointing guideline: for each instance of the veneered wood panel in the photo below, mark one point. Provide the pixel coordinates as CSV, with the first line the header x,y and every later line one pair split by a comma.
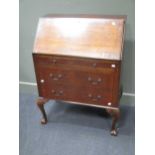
x,y
74,62
85,37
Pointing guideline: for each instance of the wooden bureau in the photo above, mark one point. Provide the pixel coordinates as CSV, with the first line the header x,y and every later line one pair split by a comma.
x,y
78,59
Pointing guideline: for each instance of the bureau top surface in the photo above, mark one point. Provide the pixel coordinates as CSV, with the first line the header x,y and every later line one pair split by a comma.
x,y
83,36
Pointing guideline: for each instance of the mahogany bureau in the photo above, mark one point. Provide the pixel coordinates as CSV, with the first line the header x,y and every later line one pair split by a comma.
x,y
78,59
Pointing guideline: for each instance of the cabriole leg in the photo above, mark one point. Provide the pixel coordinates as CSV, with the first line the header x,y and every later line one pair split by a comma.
x,y
40,104
115,114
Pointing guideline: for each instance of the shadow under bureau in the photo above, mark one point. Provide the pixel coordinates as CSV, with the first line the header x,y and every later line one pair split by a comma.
x,y
78,59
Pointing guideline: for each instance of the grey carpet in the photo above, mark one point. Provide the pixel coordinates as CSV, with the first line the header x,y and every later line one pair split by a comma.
x,y
73,130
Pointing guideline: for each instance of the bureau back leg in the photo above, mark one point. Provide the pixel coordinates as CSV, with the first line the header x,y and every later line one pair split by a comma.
x,y
115,114
40,103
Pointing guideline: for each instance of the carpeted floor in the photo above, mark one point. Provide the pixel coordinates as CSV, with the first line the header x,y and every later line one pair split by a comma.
x,y
73,130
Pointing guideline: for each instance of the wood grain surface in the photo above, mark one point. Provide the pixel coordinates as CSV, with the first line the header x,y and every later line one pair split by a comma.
x,y
84,37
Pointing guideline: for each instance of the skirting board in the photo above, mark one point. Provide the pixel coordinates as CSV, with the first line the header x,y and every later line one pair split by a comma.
x,y
29,87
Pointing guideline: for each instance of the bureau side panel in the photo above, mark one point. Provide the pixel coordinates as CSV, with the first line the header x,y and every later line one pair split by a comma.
x,y
38,74
116,85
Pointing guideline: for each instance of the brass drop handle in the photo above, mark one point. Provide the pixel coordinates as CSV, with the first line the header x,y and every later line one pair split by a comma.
x,y
98,97
55,77
57,93
94,82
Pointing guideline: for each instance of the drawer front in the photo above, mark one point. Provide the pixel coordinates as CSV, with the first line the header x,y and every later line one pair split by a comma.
x,y
78,95
77,78
72,62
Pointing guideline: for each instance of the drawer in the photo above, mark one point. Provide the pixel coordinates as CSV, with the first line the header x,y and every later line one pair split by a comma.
x,y
85,80
77,94
71,62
